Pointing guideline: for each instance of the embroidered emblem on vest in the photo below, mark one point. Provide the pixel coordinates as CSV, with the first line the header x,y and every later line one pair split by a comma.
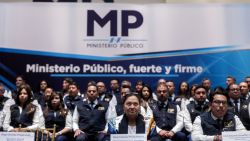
x,y
101,108
229,124
244,106
170,110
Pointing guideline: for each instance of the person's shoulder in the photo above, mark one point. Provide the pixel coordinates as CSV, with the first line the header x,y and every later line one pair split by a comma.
x,y
205,114
103,103
230,114
34,105
9,102
119,118
13,106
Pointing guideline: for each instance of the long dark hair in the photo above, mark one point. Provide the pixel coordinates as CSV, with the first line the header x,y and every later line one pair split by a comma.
x,y
28,105
63,112
29,92
129,95
185,94
149,90
150,98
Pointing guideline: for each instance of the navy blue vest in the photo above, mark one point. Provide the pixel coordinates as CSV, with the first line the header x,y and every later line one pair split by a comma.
x,y
195,110
140,125
57,119
43,103
231,108
165,116
71,102
92,120
107,97
119,106
22,119
211,127
244,113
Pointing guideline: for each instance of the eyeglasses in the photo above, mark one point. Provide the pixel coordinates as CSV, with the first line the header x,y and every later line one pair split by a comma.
x,y
218,102
200,92
164,91
235,89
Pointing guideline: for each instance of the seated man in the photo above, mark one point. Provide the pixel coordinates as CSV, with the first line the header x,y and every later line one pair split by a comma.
x,y
169,121
73,98
209,125
90,118
196,107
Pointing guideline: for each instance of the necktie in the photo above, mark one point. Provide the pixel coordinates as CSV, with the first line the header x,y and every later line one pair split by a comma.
x,y
220,125
170,99
236,106
92,105
199,108
162,105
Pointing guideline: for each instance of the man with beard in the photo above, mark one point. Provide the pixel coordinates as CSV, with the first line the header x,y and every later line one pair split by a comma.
x,y
73,98
114,87
209,125
196,107
167,117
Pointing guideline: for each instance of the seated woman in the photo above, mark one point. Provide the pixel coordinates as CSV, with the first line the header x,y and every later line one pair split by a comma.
x,y
55,114
183,95
23,115
131,122
147,101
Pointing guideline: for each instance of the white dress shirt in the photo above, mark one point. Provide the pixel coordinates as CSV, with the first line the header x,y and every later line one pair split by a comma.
x,y
197,133
69,121
41,117
147,114
238,103
187,120
187,117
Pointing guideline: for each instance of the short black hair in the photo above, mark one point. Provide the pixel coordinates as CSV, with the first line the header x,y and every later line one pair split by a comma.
x,y
198,87
75,84
230,76
218,93
68,79
129,95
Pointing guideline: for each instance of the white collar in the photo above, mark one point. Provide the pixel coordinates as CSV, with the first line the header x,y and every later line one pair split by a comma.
x,y
95,102
214,117
232,100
